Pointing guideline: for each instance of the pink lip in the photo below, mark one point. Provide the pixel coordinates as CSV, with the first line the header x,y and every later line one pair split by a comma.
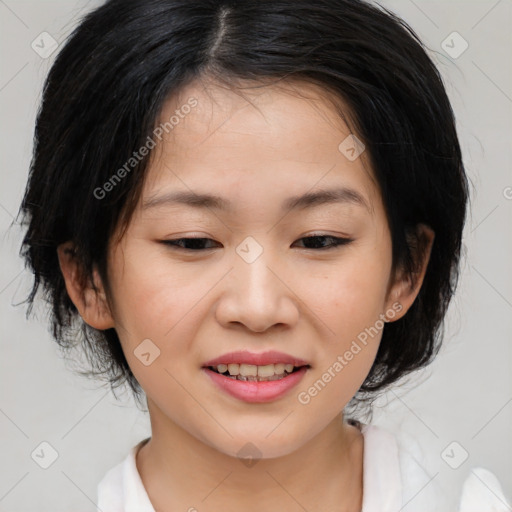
x,y
258,359
255,392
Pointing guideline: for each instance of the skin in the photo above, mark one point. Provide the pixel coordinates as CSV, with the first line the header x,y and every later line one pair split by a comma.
x,y
256,150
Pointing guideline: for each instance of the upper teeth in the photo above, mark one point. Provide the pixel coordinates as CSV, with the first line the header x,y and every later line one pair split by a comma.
x,y
247,370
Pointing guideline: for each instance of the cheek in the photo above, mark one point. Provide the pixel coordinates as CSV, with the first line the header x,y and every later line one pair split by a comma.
x,y
350,303
155,308
350,296
152,295
160,302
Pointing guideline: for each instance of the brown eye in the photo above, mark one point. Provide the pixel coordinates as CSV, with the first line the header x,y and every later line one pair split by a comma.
x,y
194,244
318,241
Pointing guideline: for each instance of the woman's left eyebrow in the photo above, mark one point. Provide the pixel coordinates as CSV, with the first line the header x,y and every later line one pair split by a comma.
x,y
304,201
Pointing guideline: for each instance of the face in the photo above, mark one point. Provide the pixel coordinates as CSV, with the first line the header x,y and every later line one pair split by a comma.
x,y
310,280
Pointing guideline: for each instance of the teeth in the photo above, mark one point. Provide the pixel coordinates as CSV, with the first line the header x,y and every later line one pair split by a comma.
x,y
253,372
233,369
279,368
265,371
248,370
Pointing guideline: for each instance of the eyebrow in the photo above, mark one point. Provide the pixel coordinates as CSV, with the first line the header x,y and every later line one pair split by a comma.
x,y
305,201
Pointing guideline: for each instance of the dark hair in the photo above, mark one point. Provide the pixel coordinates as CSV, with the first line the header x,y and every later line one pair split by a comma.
x,y
106,89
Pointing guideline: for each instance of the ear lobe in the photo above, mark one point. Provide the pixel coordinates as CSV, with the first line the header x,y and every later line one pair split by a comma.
x,y
405,289
91,304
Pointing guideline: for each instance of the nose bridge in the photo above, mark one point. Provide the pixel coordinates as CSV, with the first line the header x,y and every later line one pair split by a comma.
x,y
256,294
256,268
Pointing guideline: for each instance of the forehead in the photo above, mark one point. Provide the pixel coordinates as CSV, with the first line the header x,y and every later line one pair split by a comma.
x,y
253,141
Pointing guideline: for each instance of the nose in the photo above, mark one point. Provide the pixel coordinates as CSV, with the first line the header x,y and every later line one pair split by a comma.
x,y
258,294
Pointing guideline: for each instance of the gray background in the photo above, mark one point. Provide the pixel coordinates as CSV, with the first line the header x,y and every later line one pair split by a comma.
x,y
464,396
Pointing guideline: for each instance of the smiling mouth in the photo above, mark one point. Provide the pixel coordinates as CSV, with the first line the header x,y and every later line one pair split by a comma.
x,y
253,373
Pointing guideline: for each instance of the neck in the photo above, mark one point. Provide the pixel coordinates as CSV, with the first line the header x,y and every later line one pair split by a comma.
x,y
178,470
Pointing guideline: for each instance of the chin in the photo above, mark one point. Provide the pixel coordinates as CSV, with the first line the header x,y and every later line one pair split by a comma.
x,y
257,447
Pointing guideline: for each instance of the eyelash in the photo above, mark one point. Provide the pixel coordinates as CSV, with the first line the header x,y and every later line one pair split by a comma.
x,y
337,242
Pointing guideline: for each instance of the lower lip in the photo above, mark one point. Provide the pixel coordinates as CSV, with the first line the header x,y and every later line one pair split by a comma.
x,y
257,392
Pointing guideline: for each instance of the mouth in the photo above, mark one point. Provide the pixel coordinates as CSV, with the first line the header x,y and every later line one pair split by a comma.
x,y
256,388
256,377
255,373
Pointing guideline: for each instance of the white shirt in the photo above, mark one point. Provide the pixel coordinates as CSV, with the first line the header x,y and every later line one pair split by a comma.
x,y
394,480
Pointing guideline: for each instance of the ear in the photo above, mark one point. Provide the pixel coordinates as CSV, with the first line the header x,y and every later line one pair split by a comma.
x,y
91,305
402,289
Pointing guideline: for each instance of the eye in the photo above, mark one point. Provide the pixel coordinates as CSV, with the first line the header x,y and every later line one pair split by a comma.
x,y
335,241
194,243
197,244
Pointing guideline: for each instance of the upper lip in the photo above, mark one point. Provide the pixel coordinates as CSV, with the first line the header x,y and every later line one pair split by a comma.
x,y
258,359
